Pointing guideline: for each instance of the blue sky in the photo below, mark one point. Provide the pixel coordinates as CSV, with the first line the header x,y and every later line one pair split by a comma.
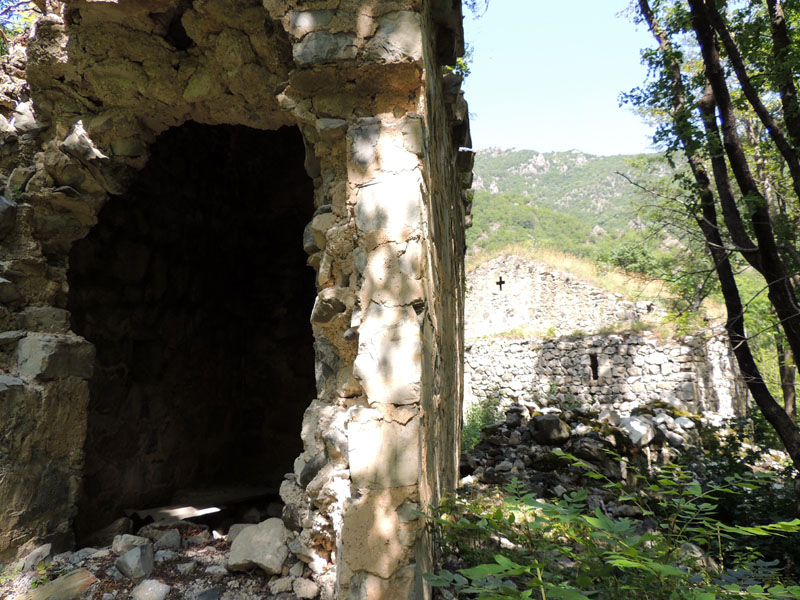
x,y
546,75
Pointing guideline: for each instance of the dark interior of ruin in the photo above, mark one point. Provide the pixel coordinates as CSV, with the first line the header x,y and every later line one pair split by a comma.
x,y
194,289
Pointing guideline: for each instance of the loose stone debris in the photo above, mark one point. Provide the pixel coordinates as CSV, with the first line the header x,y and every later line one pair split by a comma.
x,y
140,567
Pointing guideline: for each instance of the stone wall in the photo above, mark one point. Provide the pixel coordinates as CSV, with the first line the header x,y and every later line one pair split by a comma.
x,y
543,301
553,352
382,134
620,371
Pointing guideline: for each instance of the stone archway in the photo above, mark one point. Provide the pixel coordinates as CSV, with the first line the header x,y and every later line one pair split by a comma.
x,y
194,291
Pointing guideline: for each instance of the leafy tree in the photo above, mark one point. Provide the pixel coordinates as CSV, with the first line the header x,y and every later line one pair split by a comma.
x,y
712,74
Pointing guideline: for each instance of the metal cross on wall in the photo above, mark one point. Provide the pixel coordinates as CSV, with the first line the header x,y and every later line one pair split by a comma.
x,y
500,283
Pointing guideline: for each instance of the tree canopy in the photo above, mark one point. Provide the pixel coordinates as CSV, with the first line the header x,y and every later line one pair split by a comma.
x,y
723,90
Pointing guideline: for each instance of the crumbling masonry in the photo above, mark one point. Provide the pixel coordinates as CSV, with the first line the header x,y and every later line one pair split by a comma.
x,y
165,163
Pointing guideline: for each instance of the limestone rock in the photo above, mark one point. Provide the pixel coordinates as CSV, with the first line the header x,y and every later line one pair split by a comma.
x,y
305,589
236,529
55,357
609,416
397,38
307,20
136,564
45,319
67,587
325,309
639,431
263,545
170,539
309,241
186,568
8,216
323,47
150,589
125,542
209,594
38,555
8,291
282,584
549,429
384,454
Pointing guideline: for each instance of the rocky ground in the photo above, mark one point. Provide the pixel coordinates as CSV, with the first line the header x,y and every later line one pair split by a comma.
x,y
522,445
170,560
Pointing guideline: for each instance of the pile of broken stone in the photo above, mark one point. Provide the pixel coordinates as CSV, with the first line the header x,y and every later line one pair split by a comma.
x,y
168,560
522,446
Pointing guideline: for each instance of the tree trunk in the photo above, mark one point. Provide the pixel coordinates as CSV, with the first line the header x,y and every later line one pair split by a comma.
x,y
707,221
782,72
787,372
781,291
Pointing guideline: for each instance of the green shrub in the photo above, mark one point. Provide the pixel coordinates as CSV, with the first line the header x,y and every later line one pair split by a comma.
x,y
482,413
564,550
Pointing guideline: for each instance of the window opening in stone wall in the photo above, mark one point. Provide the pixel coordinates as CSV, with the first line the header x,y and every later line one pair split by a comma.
x,y
594,366
194,288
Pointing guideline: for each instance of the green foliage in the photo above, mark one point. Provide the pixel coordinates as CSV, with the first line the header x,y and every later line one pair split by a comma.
x,y
482,413
524,547
43,575
462,66
15,17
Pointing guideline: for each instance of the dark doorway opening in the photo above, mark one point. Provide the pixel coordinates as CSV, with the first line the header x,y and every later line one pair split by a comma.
x,y
194,289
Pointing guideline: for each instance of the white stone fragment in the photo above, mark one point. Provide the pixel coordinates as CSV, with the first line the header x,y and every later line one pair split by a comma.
x,y
263,545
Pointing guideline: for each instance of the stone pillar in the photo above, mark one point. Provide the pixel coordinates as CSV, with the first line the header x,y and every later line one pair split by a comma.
x,y
381,439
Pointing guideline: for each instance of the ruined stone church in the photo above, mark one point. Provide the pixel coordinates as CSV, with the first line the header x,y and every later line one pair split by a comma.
x,y
231,252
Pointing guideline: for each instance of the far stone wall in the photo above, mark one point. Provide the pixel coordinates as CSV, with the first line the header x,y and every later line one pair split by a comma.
x,y
623,372
541,300
538,341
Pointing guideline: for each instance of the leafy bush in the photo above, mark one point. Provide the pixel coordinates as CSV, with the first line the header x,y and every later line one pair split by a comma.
x,y
482,413
523,547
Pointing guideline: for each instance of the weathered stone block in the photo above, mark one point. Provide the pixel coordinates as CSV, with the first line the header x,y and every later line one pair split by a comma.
x,y
307,20
364,141
325,309
320,224
384,454
397,38
321,47
46,319
8,291
73,585
150,589
389,354
371,587
393,277
49,358
413,139
374,538
263,545
8,216
137,563
392,203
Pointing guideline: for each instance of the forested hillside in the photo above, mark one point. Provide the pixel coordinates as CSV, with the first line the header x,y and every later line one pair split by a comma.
x,y
572,201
